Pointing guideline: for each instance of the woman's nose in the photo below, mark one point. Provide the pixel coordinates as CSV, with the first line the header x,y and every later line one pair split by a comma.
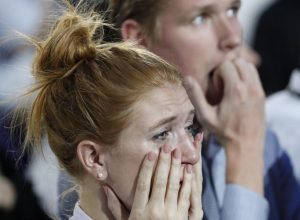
x,y
190,153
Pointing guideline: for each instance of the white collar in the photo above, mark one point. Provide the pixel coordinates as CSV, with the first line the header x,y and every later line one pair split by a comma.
x,y
79,214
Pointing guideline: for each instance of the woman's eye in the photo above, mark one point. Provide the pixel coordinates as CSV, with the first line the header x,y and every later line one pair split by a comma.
x,y
192,129
161,136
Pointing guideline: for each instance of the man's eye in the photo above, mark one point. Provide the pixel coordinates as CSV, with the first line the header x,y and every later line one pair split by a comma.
x,y
232,12
199,20
161,136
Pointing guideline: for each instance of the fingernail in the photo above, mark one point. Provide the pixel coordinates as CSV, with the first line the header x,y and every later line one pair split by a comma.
x,y
151,156
189,168
176,154
167,148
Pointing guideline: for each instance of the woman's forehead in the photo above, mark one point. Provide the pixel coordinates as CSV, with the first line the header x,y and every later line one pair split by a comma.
x,y
170,101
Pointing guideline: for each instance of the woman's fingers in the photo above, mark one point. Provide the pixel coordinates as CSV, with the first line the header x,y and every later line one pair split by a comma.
x,y
198,166
185,191
174,179
114,205
195,211
141,196
161,175
168,200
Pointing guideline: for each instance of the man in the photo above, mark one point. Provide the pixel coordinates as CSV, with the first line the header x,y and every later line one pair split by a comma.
x,y
203,39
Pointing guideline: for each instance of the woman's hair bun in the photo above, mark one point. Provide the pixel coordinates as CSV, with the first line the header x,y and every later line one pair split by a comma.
x,y
70,41
75,36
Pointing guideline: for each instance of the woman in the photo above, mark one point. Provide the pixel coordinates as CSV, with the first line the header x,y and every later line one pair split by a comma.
x,y
115,116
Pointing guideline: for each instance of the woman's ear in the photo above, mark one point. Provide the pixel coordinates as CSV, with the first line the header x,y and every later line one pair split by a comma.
x,y
133,31
91,156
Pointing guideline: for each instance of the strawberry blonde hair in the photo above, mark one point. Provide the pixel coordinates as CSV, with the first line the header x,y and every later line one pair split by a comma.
x,y
85,89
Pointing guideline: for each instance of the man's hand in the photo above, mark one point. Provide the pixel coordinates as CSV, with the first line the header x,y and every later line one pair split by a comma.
x,y
238,120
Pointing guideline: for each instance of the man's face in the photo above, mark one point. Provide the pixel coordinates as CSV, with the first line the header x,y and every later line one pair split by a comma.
x,y
165,115
198,35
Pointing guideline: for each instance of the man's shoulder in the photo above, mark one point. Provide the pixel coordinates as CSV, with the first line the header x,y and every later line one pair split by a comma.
x,y
277,161
272,151
271,142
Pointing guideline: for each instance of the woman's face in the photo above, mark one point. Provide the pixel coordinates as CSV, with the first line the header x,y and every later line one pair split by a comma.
x,y
164,115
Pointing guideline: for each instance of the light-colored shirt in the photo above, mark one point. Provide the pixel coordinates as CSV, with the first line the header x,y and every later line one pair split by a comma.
x,y
237,202
79,214
283,116
281,190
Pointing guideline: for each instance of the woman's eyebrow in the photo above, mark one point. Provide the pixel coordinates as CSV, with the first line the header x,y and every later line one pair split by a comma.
x,y
162,122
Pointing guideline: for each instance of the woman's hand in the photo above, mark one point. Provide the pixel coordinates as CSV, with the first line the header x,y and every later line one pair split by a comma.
x,y
169,197
195,211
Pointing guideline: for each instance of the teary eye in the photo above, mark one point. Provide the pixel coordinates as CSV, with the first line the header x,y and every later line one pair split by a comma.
x,y
161,136
193,129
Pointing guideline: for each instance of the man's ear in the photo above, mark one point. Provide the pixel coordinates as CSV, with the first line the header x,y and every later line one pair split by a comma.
x,y
92,158
131,30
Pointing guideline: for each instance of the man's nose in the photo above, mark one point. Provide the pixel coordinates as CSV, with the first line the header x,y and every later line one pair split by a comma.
x,y
229,34
190,153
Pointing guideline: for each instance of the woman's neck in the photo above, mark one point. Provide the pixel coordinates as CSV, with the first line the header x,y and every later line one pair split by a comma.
x,y
94,203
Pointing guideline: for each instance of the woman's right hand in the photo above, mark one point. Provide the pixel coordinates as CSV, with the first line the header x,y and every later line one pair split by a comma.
x,y
168,197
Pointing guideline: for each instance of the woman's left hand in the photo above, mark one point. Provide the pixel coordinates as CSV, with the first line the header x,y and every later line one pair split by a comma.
x,y
196,211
